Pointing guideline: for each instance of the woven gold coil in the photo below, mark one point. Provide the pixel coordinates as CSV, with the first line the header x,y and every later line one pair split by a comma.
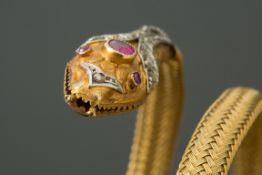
x,y
158,119
219,134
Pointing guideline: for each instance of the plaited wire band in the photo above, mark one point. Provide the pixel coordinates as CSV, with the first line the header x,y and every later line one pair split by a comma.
x,y
220,132
158,119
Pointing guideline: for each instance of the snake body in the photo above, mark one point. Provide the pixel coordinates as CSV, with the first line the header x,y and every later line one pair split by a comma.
x,y
230,129
158,119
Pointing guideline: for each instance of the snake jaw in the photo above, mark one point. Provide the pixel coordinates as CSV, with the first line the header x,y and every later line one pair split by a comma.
x,y
76,101
88,108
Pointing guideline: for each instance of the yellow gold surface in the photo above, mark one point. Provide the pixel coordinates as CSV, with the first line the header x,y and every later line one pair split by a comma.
x,y
103,100
158,119
236,114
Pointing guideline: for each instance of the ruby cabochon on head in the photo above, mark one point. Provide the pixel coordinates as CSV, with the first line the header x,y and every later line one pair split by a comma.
x,y
121,47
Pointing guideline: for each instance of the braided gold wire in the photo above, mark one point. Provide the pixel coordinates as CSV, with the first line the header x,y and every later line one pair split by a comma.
x,y
158,119
220,132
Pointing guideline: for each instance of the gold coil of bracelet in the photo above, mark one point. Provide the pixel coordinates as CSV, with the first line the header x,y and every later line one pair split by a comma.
x,y
231,125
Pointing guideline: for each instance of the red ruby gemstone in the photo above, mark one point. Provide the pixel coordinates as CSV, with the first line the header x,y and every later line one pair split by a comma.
x,y
136,78
121,47
83,49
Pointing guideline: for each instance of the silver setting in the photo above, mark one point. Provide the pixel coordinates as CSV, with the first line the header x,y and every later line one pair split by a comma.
x,y
99,78
148,37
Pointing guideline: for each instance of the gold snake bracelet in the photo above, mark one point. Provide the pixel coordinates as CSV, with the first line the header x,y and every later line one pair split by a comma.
x,y
120,72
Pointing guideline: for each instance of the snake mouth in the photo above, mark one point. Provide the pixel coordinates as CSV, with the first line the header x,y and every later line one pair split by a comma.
x,y
82,104
77,103
104,109
67,90
85,107
88,108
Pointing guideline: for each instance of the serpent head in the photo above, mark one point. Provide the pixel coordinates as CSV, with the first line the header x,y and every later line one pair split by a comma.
x,y
112,73
101,80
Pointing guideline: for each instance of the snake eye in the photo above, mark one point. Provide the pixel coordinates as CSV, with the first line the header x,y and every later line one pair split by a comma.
x,y
136,78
